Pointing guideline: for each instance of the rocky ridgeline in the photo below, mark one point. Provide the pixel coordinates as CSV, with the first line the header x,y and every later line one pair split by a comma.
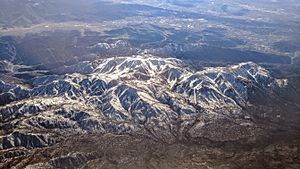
x,y
160,98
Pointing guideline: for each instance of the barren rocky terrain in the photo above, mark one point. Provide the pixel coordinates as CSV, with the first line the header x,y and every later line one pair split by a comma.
x,y
149,84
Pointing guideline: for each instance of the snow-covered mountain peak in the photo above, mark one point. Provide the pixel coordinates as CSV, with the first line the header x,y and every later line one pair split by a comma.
x,y
134,94
143,64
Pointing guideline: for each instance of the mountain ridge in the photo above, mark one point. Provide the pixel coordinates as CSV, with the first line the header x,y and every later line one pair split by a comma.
x,y
148,97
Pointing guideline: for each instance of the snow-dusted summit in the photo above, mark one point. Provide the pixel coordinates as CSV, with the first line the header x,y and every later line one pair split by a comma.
x,y
162,98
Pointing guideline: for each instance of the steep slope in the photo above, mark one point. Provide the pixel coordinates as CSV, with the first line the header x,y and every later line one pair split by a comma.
x,y
158,98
